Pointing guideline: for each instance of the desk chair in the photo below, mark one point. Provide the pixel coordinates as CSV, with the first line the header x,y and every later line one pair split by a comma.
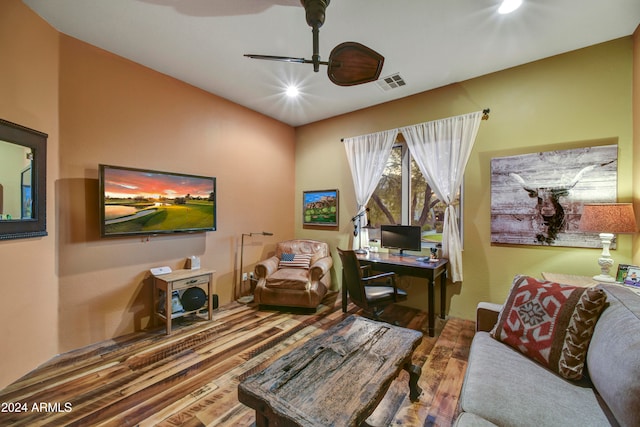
x,y
371,293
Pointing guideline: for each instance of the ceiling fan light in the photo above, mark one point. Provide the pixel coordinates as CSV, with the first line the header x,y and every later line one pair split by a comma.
x,y
292,91
509,6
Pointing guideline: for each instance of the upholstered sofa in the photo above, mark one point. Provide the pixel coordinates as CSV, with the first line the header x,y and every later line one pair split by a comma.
x,y
297,275
504,387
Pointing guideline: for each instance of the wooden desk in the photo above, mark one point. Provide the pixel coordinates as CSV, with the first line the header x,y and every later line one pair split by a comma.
x,y
409,265
335,379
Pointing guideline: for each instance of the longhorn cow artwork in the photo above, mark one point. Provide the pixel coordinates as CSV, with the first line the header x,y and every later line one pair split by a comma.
x,y
537,199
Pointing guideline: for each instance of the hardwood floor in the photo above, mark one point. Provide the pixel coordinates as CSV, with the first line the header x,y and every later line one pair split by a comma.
x,y
190,378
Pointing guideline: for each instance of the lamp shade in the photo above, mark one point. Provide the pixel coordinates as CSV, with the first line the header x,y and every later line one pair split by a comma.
x,y
608,218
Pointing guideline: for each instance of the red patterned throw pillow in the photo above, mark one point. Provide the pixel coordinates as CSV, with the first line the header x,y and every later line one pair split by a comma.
x,y
551,323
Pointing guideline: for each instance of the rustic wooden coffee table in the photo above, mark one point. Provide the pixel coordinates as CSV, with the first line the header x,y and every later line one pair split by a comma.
x,y
335,379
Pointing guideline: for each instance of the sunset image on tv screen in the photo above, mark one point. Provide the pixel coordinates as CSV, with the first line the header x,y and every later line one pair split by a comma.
x,y
149,202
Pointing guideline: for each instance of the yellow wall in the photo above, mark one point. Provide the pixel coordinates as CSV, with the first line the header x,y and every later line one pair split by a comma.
x,y
73,288
636,136
578,99
12,162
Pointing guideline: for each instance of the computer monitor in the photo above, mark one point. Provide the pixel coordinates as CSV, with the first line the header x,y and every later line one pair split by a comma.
x,y
403,237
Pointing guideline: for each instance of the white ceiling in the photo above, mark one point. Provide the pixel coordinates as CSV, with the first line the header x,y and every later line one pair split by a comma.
x,y
431,43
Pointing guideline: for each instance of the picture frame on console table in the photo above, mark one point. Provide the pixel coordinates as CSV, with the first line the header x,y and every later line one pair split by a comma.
x,y
633,276
320,208
622,272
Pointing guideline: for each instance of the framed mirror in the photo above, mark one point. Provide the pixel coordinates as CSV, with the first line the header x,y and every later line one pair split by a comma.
x,y
23,182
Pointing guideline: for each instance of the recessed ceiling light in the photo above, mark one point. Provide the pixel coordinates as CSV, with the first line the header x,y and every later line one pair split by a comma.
x,y
509,6
292,91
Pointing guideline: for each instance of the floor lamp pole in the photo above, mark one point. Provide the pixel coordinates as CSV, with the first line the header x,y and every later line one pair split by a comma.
x,y
235,291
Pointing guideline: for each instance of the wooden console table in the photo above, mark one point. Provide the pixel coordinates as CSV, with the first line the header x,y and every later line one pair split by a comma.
x,y
180,280
576,280
335,379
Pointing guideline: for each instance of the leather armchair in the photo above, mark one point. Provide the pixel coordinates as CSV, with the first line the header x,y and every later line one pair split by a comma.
x,y
286,286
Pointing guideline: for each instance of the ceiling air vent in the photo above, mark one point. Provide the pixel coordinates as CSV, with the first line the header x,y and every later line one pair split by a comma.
x,y
393,81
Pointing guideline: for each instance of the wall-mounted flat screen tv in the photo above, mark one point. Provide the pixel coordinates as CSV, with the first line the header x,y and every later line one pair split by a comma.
x,y
148,202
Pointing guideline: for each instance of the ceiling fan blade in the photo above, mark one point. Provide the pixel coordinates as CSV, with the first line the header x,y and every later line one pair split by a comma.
x,y
280,58
352,63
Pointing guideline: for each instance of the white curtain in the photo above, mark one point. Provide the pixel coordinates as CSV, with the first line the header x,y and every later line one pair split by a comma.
x,y
367,156
441,149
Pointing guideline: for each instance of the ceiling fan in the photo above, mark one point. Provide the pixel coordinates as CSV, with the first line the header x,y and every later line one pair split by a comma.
x,y
349,63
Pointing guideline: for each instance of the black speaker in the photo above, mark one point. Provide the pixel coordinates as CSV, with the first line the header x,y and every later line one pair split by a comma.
x,y
193,298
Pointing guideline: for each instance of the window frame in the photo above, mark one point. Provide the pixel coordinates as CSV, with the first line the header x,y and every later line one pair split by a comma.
x,y
405,202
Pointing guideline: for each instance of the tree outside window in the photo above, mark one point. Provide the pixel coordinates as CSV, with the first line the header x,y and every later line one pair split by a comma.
x,y
403,196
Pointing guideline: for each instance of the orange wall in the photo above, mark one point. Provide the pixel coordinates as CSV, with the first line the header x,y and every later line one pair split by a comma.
x,y
28,274
116,112
74,287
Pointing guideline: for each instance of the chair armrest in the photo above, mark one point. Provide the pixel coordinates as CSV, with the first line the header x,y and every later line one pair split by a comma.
x,y
378,276
390,276
487,316
320,268
267,267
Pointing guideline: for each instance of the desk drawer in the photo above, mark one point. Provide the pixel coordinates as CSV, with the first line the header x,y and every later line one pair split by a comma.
x,y
191,281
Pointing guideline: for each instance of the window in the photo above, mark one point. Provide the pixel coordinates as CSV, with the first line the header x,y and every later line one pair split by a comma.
x,y
403,196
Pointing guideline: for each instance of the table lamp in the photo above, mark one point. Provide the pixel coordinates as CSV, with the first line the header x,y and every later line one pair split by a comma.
x,y
358,227
607,219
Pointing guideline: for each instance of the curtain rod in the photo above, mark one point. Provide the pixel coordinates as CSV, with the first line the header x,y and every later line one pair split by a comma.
x,y
485,116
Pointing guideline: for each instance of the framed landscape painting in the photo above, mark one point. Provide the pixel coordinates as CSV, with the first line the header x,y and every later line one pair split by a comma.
x,y
537,198
320,208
